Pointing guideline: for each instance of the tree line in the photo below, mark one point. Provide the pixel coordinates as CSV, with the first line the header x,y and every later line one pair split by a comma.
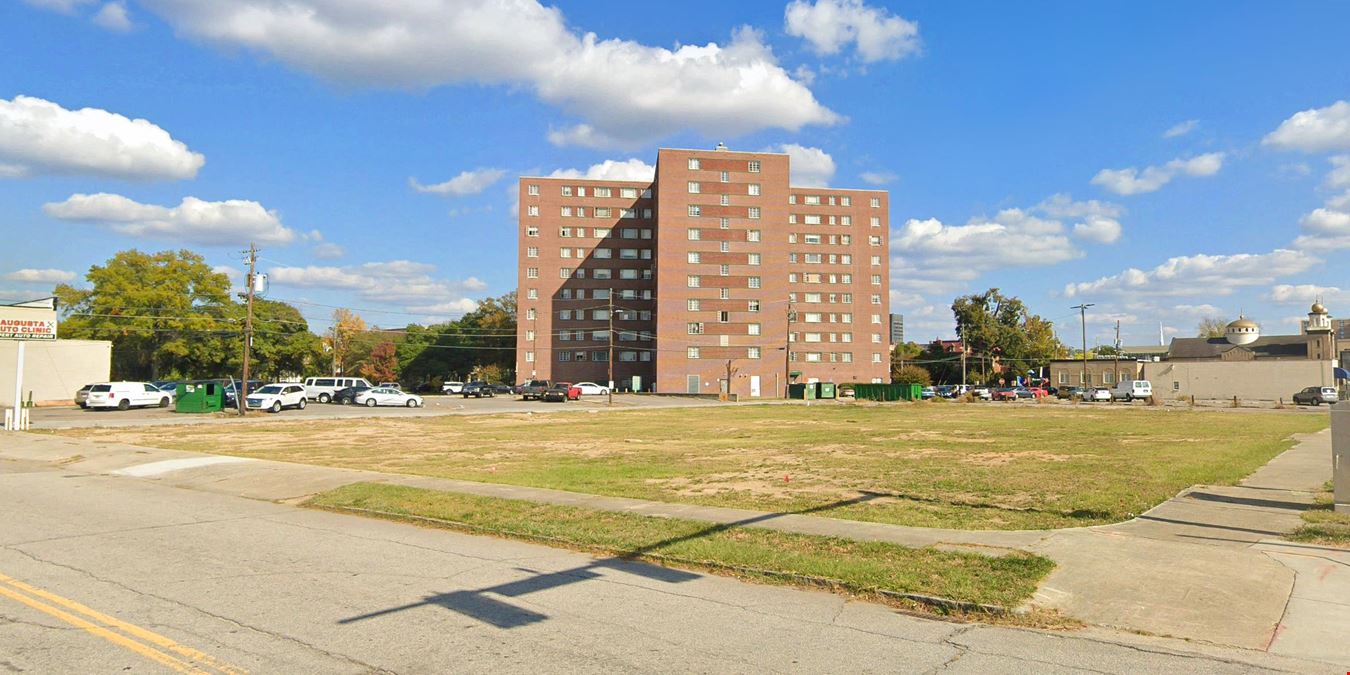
x,y
170,315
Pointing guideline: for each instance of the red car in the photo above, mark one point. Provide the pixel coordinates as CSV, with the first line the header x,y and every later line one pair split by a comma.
x,y
1038,392
561,392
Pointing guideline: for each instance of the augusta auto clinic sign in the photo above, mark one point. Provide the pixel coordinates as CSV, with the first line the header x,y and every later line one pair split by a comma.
x,y
29,320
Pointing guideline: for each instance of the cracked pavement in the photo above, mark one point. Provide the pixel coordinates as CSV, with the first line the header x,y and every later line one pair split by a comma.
x,y
274,588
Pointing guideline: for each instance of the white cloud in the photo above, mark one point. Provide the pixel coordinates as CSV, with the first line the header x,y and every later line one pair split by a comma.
x,y
1096,221
63,6
113,16
1339,176
1199,275
831,25
878,177
1328,227
235,274
1315,130
625,94
40,276
466,183
1130,180
1305,294
630,169
1181,129
328,251
810,167
405,283
41,137
233,221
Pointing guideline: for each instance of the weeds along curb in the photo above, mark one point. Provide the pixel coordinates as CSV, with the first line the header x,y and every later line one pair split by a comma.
x,y
940,603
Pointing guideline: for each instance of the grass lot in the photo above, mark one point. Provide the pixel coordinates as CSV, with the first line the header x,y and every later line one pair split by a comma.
x,y
1323,525
934,465
858,567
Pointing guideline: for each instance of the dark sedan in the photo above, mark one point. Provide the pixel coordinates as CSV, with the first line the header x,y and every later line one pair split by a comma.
x,y
347,396
561,392
477,389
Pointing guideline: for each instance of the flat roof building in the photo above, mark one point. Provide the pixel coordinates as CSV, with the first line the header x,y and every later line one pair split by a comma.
x,y
897,329
716,265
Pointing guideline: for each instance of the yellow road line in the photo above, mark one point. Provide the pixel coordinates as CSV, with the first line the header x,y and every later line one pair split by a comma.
x,y
131,629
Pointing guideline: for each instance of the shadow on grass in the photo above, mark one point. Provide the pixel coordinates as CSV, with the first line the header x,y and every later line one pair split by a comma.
x,y
1077,514
479,605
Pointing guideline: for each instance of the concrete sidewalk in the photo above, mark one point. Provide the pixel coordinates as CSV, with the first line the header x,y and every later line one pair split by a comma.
x,y
1205,565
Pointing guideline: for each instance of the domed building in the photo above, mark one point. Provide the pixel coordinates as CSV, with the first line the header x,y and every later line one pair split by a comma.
x,y
1247,364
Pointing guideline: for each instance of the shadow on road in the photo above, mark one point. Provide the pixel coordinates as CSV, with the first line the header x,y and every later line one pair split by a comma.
x,y
478,605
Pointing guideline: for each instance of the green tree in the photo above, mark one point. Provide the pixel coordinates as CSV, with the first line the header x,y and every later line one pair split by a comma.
x,y
991,323
154,307
912,375
902,353
1211,327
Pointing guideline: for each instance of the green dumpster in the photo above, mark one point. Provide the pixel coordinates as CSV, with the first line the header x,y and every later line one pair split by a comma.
x,y
826,390
802,391
888,392
200,397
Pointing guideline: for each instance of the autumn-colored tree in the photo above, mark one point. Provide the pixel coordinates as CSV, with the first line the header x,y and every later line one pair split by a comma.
x,y
342,342
382,364
1211,327
912,375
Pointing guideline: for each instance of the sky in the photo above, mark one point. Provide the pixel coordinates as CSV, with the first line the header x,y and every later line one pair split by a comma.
x,y
1164,162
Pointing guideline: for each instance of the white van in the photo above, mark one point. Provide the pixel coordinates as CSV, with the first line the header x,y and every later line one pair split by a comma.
x,y
123,395
1129,390
322,389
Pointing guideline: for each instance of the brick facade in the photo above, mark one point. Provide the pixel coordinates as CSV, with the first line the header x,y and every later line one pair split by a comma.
x,y
707,263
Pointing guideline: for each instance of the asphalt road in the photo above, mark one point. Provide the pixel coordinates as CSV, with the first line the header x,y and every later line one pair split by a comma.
x,y
101,573
74,417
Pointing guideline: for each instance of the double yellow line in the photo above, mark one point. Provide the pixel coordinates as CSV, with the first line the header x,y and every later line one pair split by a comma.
x,y
133,638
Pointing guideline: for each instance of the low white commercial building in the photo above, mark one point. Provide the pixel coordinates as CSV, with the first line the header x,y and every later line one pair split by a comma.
x,y
53,370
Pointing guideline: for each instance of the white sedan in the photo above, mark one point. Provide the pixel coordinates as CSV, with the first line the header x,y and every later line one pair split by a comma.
x,y
1099,395
591,389
274,397
387,396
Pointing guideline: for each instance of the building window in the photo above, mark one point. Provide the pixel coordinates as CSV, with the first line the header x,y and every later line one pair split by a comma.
x,y
845,220
753,282
628,193
695,327
603,253
646,193
693,163
753,329
629,233
876,279
628,213
694,187
811,200
753,190
876,299
532,190
724,223
724,246
567,190
812,317
846,201
533,210
753,166
529,357
532,252
723,316
811,219
752,306
693,305
726,176
876,357
531,231
601,232
529,314
692,352
532,273
695,210
646,233
581,191
693,234
725,200
563,273
876,202
601,273
876,318
628,274
564,314
628,254
752,235
695,257
753,213
724,270
601,192
752,259
724,293
693,281
874,241
876,338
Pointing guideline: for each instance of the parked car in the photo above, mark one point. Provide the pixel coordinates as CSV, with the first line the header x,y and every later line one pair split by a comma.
x,y
388,396
1099,395
392,385
1037,391
983,393
452,387
1073,393
82,395
1129,390
533,389
1316,396
591,389
230,401
1004,394
927,393
477,389
124,395
502,388
275,397
561,392
321,389
348,396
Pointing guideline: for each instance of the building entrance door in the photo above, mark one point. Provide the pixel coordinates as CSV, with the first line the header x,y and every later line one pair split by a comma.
x,y
691,384
754,386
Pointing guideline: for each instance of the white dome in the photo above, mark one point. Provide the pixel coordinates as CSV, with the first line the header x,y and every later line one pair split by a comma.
x,y
1244,331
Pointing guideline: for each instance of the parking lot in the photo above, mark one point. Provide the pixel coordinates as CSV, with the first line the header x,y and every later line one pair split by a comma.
x,y
74,418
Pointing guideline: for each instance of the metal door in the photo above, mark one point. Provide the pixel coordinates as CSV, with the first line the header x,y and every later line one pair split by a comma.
x,y
691,384
754,385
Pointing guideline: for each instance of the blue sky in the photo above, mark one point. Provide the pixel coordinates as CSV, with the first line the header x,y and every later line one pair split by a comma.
x,y
1165,161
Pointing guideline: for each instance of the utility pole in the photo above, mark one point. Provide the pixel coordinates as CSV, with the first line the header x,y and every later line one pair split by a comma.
x,y
242,392
1082,315
729,378
964,382
787,350
609,391
1117,350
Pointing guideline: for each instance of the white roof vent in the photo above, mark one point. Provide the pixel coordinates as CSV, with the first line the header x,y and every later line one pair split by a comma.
x,y
721,147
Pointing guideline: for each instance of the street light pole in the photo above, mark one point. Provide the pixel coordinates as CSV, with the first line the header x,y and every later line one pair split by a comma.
x,y
242,392
787,350
1082,315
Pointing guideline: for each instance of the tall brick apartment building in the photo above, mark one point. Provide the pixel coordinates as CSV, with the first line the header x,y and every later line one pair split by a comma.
x,y
717,263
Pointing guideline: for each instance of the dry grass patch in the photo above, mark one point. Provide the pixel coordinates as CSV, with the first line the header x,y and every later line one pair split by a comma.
x,y
960,466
